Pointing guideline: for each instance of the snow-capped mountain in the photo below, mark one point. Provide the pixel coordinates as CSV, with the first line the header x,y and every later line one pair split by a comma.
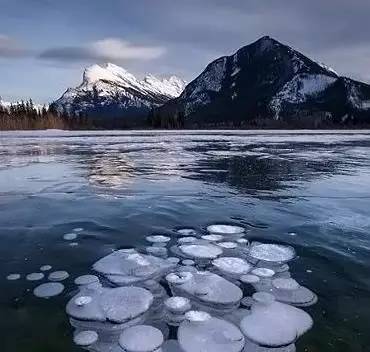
x,y
109,90
267,80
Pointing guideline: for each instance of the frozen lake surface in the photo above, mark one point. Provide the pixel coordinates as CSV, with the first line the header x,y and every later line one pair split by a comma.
x,y
108,190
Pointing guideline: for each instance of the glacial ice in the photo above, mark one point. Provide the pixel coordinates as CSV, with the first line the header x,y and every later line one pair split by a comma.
x,y
48,289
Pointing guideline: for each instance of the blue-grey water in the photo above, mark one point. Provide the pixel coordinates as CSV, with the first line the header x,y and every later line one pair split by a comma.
x,y
310,189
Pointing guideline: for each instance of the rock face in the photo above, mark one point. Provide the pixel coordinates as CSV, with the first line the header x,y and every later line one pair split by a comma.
x,y
110,91
268,81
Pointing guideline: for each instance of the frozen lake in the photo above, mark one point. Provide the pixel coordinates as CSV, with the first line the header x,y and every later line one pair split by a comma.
x,y
308,189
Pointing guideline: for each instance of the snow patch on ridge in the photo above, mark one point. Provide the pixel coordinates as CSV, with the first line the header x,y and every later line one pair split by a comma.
x,y
299,89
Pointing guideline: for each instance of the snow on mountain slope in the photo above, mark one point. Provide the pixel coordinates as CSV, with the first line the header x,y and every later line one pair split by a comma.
x,y
300,89
109,88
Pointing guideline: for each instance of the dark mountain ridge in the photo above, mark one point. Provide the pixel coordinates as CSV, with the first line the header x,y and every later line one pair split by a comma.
x,y
267,82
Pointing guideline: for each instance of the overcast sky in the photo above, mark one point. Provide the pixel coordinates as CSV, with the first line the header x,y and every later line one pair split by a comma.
x,y
45,44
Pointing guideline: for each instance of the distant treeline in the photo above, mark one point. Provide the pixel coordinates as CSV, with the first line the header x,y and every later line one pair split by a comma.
x,y
26,116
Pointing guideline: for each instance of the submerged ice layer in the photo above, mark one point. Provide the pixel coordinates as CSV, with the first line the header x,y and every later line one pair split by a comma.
x,y
221,291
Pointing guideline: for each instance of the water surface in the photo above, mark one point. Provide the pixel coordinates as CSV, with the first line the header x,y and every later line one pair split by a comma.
x,y
310,189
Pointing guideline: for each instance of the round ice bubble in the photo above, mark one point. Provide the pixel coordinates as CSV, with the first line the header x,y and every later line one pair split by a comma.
x,y
213,238
225,229
179,278
249,279
173,260
263,298
46,268
183,240
243,241
70,236
197,316
211,335
85,338
227,245
35,276
141,338
49,289
58,275
78,229
177,304
285,284
207,251
13,277
187,232
86,280
83,300
188,262
158,239
157,251
276,324
272,253
263,272
232,265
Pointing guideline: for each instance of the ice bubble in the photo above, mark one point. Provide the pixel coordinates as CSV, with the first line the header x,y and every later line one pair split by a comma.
x,y
272,253
232,265
187,232
263,272
201,251
249,279
183,240
48,289
78,229
263,298
197,316
73,244
141,338
179,278
13,277
213,238
225,229
173,260
125,303
85,338
288,290
227,245
157,251
158,239
70,236
46,268
212,335
86,280
35,276
177,304
115,305
285,284
83,300
275,324
58,275
243,241
188,262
